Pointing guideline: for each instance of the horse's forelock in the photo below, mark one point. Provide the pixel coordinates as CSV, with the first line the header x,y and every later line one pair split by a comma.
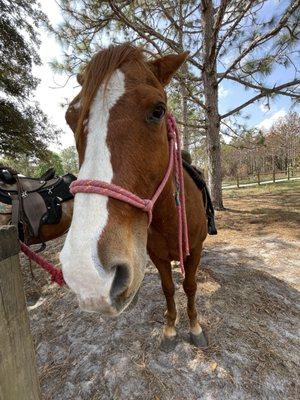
x,y
100,69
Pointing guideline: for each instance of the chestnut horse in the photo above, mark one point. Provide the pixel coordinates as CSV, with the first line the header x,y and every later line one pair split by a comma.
x,y
121,135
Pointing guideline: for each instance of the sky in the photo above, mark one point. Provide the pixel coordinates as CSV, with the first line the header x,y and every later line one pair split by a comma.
x,y
54,89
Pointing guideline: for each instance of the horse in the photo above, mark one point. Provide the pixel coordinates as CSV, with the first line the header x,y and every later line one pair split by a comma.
x,y
119,121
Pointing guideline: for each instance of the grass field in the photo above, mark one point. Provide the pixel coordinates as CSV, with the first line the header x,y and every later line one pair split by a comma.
x,y
273,208
263,178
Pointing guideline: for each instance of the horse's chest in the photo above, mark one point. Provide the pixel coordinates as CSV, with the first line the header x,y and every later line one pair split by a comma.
x,y
162,244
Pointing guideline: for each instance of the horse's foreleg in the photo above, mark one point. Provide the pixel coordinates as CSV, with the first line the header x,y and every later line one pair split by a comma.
x,y
169,331
197,336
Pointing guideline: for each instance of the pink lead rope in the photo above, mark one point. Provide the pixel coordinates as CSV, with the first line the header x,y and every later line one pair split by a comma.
x,y
56,274
146,205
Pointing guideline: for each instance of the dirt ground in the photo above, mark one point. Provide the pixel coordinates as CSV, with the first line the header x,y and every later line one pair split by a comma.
x,y
248,300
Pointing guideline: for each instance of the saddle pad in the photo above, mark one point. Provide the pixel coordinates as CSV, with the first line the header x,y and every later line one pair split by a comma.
x,y
198,178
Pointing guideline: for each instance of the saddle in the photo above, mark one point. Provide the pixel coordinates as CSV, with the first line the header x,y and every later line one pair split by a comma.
x,y
198,178
34,201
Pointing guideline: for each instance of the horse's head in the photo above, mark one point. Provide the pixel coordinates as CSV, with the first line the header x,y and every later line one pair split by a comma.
x,y
121,138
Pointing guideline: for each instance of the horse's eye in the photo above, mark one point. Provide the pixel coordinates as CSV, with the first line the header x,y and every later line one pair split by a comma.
x,y
157,113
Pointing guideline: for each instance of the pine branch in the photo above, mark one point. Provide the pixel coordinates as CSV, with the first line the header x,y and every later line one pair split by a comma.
x,y
233,27
219,18
263,93
142,27
265,37
169,17
122,18
216,28
191,95
202,126
260,87
231,129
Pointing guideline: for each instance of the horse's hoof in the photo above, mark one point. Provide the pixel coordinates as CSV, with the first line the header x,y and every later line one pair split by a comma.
x,y
168,343
199,340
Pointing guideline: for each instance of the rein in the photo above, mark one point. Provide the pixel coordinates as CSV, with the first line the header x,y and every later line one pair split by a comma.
x,y
56,273
146,205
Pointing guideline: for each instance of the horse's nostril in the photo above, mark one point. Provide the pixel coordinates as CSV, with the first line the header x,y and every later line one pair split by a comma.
x,y
121,280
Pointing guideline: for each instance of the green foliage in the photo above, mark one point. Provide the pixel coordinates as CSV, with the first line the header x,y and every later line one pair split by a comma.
x,y
64,162
69,159
54,161
24,128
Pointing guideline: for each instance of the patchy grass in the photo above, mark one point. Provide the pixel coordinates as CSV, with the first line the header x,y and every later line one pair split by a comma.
x,y
261,210
274,188
263,178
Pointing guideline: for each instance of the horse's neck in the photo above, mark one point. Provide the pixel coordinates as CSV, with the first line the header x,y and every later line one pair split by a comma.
x,y
164,212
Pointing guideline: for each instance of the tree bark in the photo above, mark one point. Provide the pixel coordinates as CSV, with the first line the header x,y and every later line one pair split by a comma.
x,y
210,85
273,168
183,89
184,112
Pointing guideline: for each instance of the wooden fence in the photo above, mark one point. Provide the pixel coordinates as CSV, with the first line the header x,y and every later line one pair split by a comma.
x,y
259,178
18,374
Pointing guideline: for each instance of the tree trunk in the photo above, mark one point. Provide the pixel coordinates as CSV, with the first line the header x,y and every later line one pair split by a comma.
x,y
183,89
258,177
273,168
210,85
237,181
184,113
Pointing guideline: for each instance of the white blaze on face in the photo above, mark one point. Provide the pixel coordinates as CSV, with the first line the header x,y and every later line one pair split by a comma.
x,y
79,256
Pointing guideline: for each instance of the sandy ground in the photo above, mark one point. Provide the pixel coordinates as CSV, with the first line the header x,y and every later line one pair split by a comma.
x,y
248,303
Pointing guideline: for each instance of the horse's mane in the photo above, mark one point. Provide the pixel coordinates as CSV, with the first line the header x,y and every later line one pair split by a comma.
x,y
100,69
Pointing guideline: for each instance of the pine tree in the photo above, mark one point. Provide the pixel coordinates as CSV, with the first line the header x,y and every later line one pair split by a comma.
x,y
241,41
24,128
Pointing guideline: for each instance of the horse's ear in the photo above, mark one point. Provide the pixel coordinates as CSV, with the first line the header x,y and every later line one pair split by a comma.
x,y
165,67
73,112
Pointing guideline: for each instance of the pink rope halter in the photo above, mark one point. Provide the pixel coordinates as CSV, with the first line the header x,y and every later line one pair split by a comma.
x,y
146,205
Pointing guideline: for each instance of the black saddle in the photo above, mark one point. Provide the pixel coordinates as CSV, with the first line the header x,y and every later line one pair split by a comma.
x,y
35,201
198,178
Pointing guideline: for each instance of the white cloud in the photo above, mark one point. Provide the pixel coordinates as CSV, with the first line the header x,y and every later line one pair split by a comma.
x,y
268,122
223,92
264,108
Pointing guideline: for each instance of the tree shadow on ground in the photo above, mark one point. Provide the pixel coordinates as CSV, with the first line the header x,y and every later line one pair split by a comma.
x,y
251,319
